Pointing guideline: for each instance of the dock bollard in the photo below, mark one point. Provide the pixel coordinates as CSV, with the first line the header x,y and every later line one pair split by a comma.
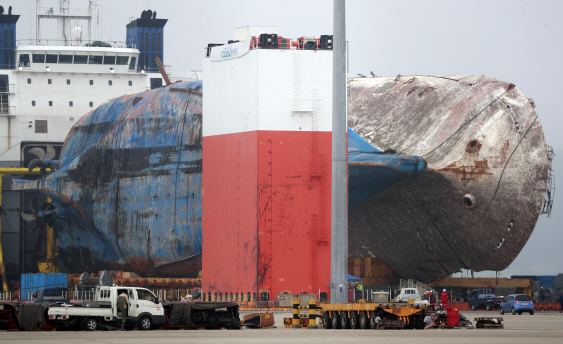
x,y
296,322
313,314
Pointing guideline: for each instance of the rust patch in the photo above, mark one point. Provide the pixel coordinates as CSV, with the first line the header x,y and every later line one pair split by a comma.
x,y
473,146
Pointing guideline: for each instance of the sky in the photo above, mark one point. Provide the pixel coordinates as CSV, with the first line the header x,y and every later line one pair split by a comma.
x,y
517,41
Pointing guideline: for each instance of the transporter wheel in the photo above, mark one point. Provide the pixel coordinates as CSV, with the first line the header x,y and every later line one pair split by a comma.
x,y
91,324
354,321
344,320
372,321
363,320
327,323
473,308
335,320
513,311
145,323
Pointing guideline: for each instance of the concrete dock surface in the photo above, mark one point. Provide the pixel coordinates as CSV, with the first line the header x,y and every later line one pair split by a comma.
x,y
546,327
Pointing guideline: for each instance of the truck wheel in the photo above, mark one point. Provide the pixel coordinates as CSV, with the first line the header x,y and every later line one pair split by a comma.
x,y
344,320
473,308
354,321
327,324
372,321
145,323
488,308
335,320
363,320
91,324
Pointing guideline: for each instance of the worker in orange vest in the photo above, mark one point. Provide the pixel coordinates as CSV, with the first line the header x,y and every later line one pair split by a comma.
x,y
445,299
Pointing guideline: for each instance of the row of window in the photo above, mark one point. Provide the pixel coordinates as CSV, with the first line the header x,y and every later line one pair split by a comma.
x,y
24,60
49,81
70,103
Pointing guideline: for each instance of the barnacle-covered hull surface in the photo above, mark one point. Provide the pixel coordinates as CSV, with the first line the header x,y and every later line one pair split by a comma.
x,y
478,202
128,191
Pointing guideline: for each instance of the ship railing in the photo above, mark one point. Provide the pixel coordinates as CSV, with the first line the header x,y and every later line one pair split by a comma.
x,y
74,43
6,296
10,88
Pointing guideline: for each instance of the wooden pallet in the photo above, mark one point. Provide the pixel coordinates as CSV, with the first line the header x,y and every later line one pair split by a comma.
x,y
391,324
489,322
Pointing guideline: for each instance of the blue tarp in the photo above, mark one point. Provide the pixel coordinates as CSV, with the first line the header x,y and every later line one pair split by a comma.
x,y
353,279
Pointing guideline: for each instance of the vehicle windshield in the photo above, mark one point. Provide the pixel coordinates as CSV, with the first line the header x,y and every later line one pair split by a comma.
x,y
523,298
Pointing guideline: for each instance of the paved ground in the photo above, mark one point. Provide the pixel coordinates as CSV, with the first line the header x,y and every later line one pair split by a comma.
x,y
538,328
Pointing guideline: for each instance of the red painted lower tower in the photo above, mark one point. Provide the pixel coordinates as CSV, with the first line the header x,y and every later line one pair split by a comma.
x,y
266,171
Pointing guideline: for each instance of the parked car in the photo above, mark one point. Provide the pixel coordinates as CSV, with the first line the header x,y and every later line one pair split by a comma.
x,y
484,298
517,303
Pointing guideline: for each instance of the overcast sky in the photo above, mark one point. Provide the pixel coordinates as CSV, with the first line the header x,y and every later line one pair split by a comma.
x,y
516,41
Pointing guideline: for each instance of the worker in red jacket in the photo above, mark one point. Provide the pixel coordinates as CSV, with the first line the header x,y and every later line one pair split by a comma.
x,y
445,299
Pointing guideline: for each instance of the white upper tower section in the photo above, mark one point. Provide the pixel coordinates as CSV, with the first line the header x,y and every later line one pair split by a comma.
x,y
266,89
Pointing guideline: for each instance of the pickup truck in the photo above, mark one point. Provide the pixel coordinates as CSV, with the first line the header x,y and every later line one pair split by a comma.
x,y
144,310
484,298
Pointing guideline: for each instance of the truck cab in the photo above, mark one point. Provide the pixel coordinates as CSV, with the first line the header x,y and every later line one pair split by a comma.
x,y
408,293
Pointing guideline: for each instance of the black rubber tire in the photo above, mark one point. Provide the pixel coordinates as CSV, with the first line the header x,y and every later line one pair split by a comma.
x,y
354,325
513,311
372,322
335,320
344,320
488,308
473,308
532,313
501,311
364,322
519,313
327,323
145,323
91,324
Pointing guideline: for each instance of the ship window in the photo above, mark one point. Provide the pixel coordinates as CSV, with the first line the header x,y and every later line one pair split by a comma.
x,y
68,81
80,59
109,60
50,103
91,104
133,62
109,82
38,58
24,60
52,58
40,126
29,81
91,82
33,103
96,59
130,83
122,60
70,103
49,81
65,58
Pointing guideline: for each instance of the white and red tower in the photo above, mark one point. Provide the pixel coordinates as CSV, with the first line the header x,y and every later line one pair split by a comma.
x,y
267,119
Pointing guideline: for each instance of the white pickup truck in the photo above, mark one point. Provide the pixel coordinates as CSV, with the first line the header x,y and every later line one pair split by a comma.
x,y
145,310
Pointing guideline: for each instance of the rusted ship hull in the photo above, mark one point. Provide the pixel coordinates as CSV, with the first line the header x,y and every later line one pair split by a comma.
x,y
128,187
479,201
